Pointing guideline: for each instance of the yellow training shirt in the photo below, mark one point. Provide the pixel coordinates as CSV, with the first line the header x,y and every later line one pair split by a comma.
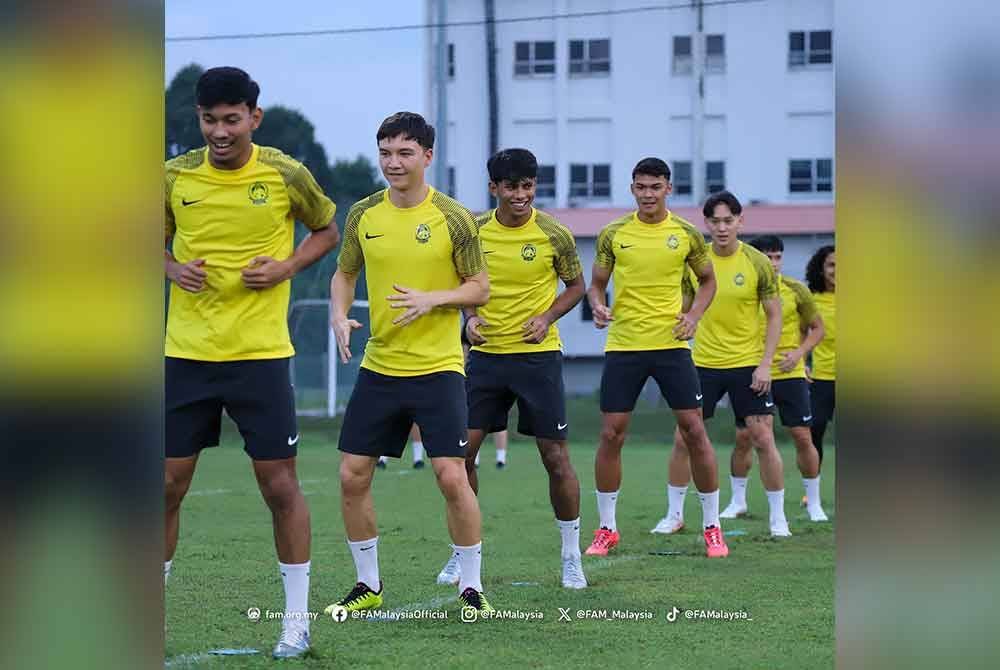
x,y
428,247
228,217
647,262
524,264
798,309
824,356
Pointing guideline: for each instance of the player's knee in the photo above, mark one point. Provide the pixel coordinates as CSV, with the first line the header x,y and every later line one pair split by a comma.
x,y
743,440
280,492
352,482
613,435
175,488
452,481
692,434
556,460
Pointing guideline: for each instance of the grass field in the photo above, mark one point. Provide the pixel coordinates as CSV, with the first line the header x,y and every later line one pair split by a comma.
x,y
225,563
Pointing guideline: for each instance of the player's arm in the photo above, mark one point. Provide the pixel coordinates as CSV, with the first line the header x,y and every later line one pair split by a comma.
x,y
597,293
537,327
812,335
344,282
472,292
265,271
762,374
189,276
694,305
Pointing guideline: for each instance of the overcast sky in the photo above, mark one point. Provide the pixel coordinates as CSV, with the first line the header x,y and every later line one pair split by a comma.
x,y
344,84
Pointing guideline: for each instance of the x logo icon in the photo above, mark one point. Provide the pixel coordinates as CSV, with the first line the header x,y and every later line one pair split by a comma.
x,y
564,614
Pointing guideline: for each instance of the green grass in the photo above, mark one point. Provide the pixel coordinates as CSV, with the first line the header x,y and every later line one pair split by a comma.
x,y
225,563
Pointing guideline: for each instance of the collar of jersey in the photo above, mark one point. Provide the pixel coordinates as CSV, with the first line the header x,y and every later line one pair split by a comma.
x,y
250,164
531,220
734,255
636,219
388,201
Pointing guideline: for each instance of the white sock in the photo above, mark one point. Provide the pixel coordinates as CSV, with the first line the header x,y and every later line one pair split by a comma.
x,y
295,577
418,451
166,571
470,561
606,503
365,555
739,490
570,531
675,501
477,458
501,455
812,491
776,501
383,459
709,508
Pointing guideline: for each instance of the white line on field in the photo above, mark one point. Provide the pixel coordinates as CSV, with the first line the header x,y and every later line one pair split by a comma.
x,y
209,492
185,659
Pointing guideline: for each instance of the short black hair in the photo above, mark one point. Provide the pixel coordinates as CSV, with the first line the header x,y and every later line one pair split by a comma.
x,y
814,269
767,243
410,125
651,167
722,198
512,165
226,86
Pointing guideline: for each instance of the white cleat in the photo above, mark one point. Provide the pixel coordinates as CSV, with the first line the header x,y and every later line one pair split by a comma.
x,y
816,513
451,573
668,525
572,574
780,529
734,511
293,643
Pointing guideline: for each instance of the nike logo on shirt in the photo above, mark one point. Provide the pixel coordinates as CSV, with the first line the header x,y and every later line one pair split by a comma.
x,y
626,246
369,236
189,202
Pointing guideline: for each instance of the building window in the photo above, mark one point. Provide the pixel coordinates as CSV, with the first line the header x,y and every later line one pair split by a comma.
x,y
532,58
545,187
587,313
451,61
590,181
451,181
715,176
810,48
715,53
810,176
589,57
681,178
682,54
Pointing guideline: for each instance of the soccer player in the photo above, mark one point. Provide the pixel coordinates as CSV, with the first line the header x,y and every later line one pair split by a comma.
x,y
647,252
801,330
821,277
423,262
231,207
516,351
732,357
499,437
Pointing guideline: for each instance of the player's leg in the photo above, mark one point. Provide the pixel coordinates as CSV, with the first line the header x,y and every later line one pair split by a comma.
x,y
740,464
822,401
440,408
179,472
451,573
500,444
772,475
417,445
489,399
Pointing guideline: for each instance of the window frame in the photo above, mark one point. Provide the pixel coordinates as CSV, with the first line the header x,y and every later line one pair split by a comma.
x,y
589,189
683,63
809,57
709,183
584,65
530,67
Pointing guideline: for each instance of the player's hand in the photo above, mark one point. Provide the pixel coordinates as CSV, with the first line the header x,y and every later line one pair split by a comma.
x,y
535,329
761,383
685,326
342,328
265,272
472,329
790,360
189,276
602,316
416,303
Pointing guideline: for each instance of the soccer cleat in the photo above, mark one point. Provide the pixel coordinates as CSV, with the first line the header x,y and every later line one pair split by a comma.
x,y
780,529
572,576
501,465
294,642
381,465
804,502
417,465
360,598
668,526
604,540
715,544
817,514
734,511
476,600
451,572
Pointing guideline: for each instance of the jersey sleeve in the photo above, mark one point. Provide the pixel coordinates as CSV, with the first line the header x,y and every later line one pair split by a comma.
x,y
605,255
565,258
170,226
308,202
697,258
351,258
467,254
767,282
688,284
804,303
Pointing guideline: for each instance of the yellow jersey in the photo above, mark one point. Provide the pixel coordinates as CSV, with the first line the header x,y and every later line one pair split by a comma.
x,y
524,265
228,217
824,356
647,262
429,247
798,309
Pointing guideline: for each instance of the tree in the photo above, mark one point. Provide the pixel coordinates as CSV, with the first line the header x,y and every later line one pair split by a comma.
x,y
183,133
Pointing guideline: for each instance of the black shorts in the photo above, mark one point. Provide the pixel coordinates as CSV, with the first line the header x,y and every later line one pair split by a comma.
x,y
534,380
382,409
791,396
626,372
257,395
717,382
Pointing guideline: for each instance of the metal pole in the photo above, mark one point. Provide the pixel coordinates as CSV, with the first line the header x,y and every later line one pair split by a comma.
x,y
441,143
698,108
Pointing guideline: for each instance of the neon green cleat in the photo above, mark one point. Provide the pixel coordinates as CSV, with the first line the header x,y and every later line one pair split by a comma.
x,y
361,597
476,600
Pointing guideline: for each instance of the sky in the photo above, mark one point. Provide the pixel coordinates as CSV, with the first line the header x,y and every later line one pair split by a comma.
x,y
344,84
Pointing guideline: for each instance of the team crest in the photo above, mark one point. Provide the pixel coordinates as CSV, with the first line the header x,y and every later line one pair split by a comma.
x,y
673,242
423,233
258,193
739,279
528,252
